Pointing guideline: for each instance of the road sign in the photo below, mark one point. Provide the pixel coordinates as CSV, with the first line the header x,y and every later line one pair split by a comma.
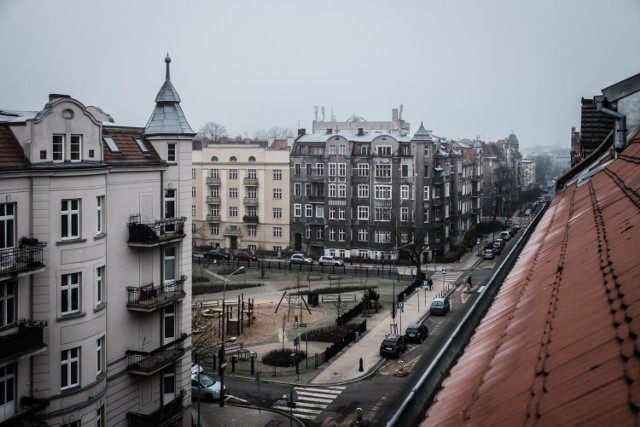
x,y
296,341
401,306
292,395
223,364
444,271
425,283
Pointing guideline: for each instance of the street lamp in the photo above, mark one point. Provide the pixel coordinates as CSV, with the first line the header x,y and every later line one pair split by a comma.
x,y
224,324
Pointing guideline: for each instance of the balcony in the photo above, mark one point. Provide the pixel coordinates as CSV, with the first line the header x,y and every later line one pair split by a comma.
x,y
213,200
316,199
26,341
165,416
250,219
21,261
250,201
315,221
213,181
213,218
149,362
31,413
250,181
156,233
233,230
476,178
148,298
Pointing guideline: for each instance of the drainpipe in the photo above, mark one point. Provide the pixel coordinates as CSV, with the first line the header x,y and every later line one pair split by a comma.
x,y
620,125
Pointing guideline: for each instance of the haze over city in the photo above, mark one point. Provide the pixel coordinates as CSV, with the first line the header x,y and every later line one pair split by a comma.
x,y
466,69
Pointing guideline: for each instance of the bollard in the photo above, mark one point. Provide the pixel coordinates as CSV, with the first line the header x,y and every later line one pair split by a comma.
x,y
361,367
234,359
253,360
359,415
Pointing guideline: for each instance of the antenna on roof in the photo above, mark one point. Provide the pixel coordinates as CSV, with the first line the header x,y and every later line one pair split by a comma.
x,y
315,113
323,113
400,115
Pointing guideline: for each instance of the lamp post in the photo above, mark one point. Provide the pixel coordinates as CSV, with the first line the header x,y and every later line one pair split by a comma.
x,y
224,325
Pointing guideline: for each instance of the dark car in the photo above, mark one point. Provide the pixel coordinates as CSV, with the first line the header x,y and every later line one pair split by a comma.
x,y
440,306
416,332
393,345
245,256
217,254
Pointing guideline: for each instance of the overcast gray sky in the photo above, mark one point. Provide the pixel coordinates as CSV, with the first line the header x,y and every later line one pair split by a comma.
x,y
464,68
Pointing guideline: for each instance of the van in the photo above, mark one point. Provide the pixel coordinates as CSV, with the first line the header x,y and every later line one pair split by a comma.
x,y
505,235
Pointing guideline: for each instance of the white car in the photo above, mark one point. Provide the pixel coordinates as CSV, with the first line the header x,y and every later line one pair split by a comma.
x,y
329,260
301,259
204,387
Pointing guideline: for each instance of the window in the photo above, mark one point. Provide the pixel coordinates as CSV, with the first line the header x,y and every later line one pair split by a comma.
x,y
193,191
193,210
193,228
307,190
383,150
7,392
111,144
99,286
70,219
71,424
277,231
426,192
169,324
252,159
169,203
332,213
193,174
404,214
215,191
342,149
100,417
171,152
363,191
363,169
70,294
342,191
75,149
308,210
364,150
308,168
252,192
383,171
363,212
332,234
404,171
252,211
297,189
341,235
252,174
319,211
307,232
141,146
215,173
252,231
363,235
7,225
277,250
332,190
382,236
383,192
341,213
233,211
233,159
297,210
296,170
170,264
383,214
233,173
214,210
214,158
233,193
277,213
69,368
214,229
342,169
277,193
404,192
332,169
99,214
320,233
7,304
332,149
58,148
99,355
168,384
320,169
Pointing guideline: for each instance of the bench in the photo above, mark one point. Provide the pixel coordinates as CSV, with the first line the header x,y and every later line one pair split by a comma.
x,y
335,277
314,277
335,297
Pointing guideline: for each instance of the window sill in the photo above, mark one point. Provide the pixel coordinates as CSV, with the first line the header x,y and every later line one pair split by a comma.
x,y
70,242
99,236
100,307
70,316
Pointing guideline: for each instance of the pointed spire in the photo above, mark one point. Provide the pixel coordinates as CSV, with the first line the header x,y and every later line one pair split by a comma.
x,y
168,61
421,134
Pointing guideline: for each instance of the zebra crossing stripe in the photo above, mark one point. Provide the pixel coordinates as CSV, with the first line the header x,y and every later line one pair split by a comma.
x,y
311,401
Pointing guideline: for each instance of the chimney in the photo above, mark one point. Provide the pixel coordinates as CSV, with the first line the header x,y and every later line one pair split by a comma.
x,y
54,96
360,131
329,131
394,115
302,132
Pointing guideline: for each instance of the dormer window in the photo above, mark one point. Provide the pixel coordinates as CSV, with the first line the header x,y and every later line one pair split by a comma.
x,y
214,158
252,159
111,144
58,148
141,145
233,159
75,148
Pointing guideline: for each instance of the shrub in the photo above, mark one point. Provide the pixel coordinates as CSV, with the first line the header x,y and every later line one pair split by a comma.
x,y
329,334
199,279
282,357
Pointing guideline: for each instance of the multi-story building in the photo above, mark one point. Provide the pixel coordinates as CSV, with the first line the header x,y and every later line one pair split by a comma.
x,y
240,194
95,266
358,189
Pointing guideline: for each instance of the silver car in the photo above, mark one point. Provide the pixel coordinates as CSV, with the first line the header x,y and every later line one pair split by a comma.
x,y
205,388
301,259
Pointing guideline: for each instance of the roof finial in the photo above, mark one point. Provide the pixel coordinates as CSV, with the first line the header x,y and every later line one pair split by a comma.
x,y
168,61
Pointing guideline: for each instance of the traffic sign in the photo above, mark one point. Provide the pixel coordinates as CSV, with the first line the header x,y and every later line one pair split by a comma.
x,y
425,283
444,271
292,395
401,306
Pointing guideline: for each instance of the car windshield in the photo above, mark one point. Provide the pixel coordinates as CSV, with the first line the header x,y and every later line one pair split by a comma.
x,y
412,330
390,342
437,303
207,381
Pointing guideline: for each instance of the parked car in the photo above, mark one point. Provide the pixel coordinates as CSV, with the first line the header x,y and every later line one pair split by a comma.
x,y
488,254
393,345
516,225
497,248
204,387
329,260
440,306
416,332
300,259
245,256
217,253
505,235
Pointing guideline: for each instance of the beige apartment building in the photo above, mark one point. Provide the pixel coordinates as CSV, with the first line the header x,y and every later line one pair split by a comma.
x,y
95,266
240,193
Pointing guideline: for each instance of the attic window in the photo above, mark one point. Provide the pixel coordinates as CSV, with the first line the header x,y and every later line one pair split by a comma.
x,y
141,145
214,158
233,159
252,159
111,144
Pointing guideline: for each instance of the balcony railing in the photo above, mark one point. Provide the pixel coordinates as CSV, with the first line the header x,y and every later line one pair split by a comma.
x,y
250,181
232,230
316,199
250,201
149,362
156,233
250,219
148,298
213,181
315,221
213,218
28,339
213,200
21,260
31,414
167,415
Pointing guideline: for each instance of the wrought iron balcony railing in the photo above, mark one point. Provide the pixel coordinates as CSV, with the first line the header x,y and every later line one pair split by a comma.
x,y
21,259
250,201
250,181
149,362
213,218
165,416
213,181
156,233
28,339
31,413
250,219
232,230
213,200
148,298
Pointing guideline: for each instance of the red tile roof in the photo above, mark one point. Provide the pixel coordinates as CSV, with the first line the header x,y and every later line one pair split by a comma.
x,y
561,343
11,154
130,152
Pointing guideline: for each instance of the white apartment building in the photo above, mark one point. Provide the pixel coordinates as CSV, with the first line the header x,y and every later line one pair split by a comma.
x,y
95,266
240,196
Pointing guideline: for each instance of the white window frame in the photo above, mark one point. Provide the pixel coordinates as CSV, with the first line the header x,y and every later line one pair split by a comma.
x,y
100,288
170,259
308,210
297,189
58,146
99,355
363,212
277,193
70,365
70,286
404,214
297,210
342,149
426,194
8,293
342,169
404,192
332,190
171,152
277,232
342,191
277,213
363,191
233,211
332,169
383,150
70,216
75,148
233,193
169,323
100,214
363,235
252,230
363,169
341,235
277,174
383,192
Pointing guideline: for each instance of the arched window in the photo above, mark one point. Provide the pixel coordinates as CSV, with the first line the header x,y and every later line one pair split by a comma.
x,y
252,159
233,159
214,158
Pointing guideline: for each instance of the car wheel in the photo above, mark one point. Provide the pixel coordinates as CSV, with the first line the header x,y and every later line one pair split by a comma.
x,y
208,398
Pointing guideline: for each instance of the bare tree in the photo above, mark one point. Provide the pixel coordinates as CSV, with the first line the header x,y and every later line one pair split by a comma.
x,y
274,132
212,132
504,191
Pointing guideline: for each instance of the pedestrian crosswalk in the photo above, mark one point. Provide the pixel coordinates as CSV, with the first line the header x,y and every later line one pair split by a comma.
x,y
311,401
